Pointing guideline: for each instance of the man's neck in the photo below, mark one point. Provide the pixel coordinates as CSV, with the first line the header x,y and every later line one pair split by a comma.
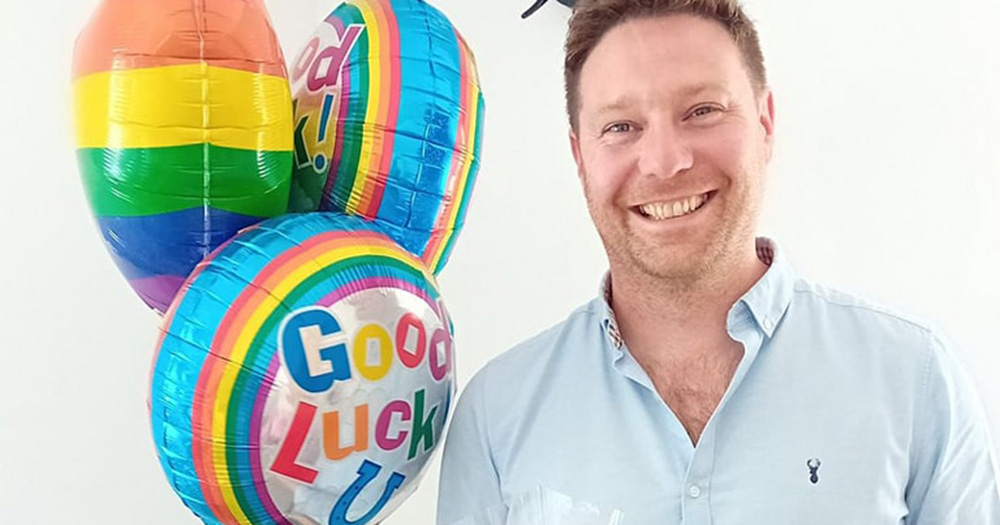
x,y
661,319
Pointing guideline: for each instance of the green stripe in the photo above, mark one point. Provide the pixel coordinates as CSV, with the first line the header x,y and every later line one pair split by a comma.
x,y
463,207
151,181
266,340
353,128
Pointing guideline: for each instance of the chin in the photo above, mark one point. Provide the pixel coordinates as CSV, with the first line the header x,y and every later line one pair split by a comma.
x,y
673,263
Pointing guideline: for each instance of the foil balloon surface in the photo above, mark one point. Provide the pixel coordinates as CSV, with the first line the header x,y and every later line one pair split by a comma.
x,y
388,122
303,376
183,129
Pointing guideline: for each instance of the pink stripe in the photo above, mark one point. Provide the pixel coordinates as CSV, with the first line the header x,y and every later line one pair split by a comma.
x,y
256,471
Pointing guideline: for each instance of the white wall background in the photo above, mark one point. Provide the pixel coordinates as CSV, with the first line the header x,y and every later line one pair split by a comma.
x,y
886,182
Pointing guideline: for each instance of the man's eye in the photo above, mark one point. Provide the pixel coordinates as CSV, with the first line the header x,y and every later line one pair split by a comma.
x,y
703,110
621,127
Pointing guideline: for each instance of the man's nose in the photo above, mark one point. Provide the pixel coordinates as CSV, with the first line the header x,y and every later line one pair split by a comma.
x,y
664,152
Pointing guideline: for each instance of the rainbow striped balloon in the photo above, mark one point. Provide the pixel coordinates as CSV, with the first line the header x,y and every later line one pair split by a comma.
x,y
306,360
388,122
184,131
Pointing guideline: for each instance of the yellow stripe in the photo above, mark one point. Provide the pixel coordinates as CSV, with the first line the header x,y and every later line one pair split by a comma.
x,y
464,181
234,362
371,113
181,105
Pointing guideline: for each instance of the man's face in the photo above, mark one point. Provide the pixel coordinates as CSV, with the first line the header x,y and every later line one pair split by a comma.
x,y
672,145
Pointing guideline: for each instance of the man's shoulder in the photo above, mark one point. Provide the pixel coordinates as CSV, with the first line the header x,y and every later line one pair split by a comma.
x,y
864,316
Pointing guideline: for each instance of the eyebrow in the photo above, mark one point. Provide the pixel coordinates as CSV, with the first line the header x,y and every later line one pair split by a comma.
x,y
685,92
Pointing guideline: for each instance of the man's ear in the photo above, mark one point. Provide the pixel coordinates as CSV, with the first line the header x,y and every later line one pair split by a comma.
x,y
766,111
574,144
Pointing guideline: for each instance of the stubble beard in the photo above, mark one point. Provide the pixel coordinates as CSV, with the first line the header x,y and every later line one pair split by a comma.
x,y
645,261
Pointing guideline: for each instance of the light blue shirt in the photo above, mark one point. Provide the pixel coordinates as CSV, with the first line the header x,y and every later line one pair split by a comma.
x,y
841,412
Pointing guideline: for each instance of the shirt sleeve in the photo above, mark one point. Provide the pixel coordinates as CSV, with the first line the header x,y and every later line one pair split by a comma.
x,y
469,483
954,474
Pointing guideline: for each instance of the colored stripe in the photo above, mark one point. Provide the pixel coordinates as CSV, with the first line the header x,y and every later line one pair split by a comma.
x,y
464,153
147,181
157,292
231,345
256,419
387,100
129,35
170,243
351,128
371,129
178,105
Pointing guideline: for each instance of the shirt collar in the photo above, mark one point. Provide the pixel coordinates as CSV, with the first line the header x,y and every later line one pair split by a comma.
x,y
767,300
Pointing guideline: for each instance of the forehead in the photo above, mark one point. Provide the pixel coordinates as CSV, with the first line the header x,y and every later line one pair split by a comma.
x,y
662,56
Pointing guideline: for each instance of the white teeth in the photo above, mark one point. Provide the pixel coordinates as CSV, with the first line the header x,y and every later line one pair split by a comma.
x,y
696,201
667,210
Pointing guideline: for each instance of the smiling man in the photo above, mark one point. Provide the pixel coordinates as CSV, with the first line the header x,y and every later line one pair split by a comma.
x,y
708,383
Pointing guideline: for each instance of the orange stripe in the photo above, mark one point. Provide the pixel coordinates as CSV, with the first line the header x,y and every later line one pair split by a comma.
x,y
204,401
127,34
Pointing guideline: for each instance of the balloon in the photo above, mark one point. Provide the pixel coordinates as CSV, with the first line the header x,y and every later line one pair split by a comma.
x,y
304,375
388,122
184,131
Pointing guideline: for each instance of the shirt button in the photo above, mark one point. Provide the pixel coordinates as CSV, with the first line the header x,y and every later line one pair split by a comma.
x,y
768,324
694,491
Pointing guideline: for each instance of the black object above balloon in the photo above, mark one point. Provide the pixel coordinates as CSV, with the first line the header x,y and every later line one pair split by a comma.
x,y
539,3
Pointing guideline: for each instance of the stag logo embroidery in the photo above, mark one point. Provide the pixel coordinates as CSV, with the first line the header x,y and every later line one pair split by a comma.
x,y
813,464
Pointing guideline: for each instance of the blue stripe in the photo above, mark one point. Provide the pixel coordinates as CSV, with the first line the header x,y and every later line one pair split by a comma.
x,y
169,243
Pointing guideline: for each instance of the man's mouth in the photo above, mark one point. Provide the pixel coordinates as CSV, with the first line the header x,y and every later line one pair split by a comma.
x,y
659,211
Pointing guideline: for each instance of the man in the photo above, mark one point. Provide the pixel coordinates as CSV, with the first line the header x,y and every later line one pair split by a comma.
x,y
708,383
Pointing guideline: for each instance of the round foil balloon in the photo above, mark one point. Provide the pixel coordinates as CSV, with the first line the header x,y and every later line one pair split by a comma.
x,y
304,376
388,122
184,131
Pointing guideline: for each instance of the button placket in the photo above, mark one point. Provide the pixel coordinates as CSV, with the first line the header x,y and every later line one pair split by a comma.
x,y
696,508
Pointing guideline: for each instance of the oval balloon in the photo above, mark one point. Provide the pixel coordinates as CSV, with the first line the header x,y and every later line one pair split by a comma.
x,y
388,122
184,131
304,375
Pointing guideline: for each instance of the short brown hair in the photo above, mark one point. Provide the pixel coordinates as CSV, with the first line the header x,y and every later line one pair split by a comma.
x,y
592,19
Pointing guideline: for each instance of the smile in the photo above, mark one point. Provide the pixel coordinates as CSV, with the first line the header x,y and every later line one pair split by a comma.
x,y
676,208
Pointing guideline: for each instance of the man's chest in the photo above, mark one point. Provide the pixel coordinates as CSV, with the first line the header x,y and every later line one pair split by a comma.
x,y
803,451
693,391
